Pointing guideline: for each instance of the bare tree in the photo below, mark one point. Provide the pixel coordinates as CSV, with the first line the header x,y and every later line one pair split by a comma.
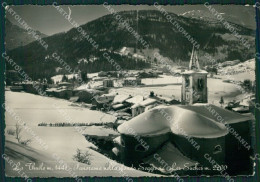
x,y
18,130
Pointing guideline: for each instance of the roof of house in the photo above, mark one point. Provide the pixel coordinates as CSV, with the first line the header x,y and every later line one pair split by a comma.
x,y
135,100
212,111
181,120
174,158
132,78
120,98
194,71
147,102
144,103
117,106
64,83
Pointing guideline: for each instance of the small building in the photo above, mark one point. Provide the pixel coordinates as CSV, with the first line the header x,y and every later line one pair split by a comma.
x,y
243,107
132,81
108,83
167,100
12,77
60,92
34,87
135,100
103,100
102,74
143,106
87,95
119,99
65,84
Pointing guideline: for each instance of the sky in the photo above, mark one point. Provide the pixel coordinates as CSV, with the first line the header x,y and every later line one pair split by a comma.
x,y
49,21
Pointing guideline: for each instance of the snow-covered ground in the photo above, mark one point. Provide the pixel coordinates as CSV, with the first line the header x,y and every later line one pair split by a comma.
x,y
35,109
238,72
61,141
163,79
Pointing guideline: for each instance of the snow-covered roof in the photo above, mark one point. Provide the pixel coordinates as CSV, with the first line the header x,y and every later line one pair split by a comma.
x,y
244,103
64,83
228,117
136,99
239,109
144,103
120,98
173,157
195,71
51,90
108,95
118,106
147,102
117,140
194,121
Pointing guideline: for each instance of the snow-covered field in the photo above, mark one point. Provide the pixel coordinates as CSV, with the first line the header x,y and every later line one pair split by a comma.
x,y
62,142
239,72
163,79
35,109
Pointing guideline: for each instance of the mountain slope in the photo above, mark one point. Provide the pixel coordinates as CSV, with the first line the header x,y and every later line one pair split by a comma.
x,y
16,36
112,37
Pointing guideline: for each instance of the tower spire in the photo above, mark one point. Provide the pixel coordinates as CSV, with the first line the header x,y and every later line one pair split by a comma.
x,y
194,61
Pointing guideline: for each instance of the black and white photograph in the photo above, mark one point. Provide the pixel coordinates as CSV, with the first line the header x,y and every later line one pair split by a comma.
x,y
130,91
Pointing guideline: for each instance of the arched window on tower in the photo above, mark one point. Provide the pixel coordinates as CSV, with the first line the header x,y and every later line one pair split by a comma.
x,y
200,84
187,82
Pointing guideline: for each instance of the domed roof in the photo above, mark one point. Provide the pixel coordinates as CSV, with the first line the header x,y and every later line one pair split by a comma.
x,y
179,120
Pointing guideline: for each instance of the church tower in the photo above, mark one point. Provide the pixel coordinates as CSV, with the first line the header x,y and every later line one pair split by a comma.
x,y
194,83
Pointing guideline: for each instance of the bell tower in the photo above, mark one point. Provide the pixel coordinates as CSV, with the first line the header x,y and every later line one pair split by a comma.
x,y
194,83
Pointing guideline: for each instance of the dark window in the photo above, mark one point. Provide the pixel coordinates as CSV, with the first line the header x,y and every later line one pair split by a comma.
x,y
217,149
187,82
140,148
200,84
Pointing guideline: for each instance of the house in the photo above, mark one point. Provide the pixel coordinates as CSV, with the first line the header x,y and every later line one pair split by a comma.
x,y
61,92
182,129
243,107
132,81
12,77
65,84
119,99
34,87
16,88
135,100
167,100
108,83
102,74
86,95
104,99
143,106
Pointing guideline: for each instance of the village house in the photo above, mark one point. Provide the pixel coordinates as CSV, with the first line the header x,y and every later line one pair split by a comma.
x,y
108,83
132,81
12,77
143,106
60,92
104,99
